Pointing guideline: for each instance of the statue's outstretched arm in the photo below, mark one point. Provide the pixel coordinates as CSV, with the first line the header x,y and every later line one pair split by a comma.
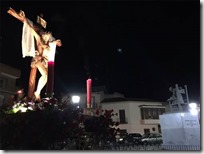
x,y
58,42
21,16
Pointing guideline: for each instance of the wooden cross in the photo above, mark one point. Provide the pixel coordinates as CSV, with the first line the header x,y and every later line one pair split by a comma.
x,y
33,71
15,14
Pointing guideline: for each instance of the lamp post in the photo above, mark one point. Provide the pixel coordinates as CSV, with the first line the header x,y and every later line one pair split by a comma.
x,y
193,108
76,100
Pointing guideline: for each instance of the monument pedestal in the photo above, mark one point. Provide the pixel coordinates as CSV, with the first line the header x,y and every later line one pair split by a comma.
x,y
180,130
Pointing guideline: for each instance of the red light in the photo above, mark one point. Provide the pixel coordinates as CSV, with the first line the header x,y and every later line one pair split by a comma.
x,y
19,92
89,82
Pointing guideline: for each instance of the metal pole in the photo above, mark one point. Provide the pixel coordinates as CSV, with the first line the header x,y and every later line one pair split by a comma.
x,y
186,94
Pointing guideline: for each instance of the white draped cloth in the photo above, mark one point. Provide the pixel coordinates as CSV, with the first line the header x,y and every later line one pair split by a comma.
x,y
28,43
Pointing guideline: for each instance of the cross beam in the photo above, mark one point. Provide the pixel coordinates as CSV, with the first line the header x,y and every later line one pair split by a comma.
x,y
33,71
15,14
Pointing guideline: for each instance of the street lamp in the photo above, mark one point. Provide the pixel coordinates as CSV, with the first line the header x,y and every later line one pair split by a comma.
x,y
193,108
76,100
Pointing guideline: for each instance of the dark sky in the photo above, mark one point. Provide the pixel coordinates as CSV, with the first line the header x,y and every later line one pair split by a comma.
x,y
137,48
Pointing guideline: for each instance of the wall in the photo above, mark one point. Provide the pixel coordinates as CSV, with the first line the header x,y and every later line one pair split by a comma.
x,y
8,76
133,115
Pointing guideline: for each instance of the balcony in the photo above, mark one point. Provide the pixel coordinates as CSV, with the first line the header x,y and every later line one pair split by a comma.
x,y
150,121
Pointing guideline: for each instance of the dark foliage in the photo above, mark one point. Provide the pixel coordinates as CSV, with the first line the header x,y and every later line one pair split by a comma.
x,y
51,128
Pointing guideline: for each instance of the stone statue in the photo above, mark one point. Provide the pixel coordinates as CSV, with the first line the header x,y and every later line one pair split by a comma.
x,y
176,98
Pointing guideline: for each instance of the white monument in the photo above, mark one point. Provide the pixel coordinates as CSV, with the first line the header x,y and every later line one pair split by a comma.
x,y
180,129
176,101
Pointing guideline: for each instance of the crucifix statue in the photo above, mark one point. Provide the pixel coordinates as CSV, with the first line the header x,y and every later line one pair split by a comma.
x,y
42,49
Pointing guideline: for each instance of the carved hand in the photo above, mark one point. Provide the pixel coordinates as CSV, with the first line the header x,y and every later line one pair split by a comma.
x,y
58,43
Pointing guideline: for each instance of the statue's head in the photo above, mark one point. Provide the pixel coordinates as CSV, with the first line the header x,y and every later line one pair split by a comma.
x,y
41,24
46,36
171,89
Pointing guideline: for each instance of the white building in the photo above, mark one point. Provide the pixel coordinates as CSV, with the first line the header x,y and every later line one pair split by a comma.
x,y
8,77
134,115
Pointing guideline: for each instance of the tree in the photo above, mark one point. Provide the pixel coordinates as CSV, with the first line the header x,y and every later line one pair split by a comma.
x,y
54,128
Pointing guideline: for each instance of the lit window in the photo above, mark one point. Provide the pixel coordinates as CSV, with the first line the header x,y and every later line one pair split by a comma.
x,y
151,113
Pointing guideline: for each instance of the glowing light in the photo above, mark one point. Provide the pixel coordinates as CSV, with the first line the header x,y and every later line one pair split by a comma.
x,y
88,84
23,109
30,108
193,108
194,112
119,50
193,105
51,63
19,91
15,110
75,99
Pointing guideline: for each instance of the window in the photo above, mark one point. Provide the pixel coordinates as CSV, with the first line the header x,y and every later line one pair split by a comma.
x,y
3,83
151,113
122,116
159,128
1,99
146,131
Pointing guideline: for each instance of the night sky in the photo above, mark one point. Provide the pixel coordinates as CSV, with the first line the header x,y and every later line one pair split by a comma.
x,y
136,48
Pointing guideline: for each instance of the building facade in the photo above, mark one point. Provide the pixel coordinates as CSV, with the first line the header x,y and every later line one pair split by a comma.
x,y
8,76
134,115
